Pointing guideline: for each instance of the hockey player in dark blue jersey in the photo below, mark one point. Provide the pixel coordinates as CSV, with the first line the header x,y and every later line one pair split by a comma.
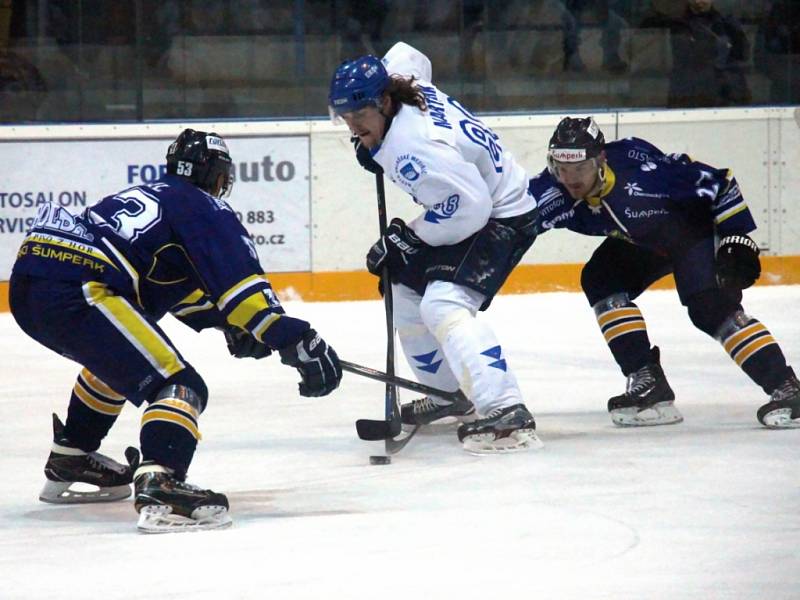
x,y
92,288
661,214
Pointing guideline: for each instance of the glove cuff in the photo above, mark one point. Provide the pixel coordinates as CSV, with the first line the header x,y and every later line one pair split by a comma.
x,y
742,240
285,332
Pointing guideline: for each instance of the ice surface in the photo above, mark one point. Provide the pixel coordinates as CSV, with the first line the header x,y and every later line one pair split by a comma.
x,y
706,509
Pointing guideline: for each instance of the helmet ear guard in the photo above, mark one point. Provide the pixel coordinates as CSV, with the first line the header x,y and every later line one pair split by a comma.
x,y
201,158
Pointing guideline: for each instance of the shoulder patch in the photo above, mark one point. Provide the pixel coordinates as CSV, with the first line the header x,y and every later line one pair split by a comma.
x,y
409,168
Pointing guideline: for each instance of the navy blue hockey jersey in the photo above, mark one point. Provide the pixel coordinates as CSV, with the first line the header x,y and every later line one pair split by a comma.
x,y
662,202
166,246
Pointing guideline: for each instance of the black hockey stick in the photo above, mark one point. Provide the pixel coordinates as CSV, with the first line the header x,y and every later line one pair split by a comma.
x,y
373,430
391,427
406,384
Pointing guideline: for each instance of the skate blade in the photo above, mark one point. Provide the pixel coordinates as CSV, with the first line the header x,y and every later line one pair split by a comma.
x,y
663,413
159,519
62,492
517,441
780,418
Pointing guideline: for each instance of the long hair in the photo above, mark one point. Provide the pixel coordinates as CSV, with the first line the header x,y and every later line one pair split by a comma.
x,y
405,91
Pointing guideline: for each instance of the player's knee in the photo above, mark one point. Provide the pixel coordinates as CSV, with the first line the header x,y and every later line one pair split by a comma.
x,y
614,301
186,385
710,309
736,321
594,282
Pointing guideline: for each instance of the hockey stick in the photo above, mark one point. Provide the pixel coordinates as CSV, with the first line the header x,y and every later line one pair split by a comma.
x,y
407,384
391,427
373,430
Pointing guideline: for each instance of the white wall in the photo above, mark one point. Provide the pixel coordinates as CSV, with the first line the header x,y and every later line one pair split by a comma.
x,y
761,145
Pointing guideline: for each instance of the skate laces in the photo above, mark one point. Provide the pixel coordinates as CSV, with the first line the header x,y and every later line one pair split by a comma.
x,y
788,390
104,463
423,405
640,380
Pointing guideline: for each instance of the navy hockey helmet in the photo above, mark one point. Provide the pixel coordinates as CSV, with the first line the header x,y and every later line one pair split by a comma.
x,y
201,158
356,84
575,140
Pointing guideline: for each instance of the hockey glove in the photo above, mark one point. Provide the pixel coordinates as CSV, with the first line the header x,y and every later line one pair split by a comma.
x,y
243,344
317,363
738,266
364,157
396,249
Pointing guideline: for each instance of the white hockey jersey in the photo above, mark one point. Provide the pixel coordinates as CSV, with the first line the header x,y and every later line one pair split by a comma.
x,y
448,160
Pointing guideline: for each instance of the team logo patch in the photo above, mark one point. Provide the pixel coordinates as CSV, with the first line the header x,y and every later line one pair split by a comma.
x,y
409,168
409,172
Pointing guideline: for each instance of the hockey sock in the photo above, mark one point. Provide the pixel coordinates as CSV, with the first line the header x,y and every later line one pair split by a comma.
x,y
753,348
481,367
421,348
93,409
625,332
170,432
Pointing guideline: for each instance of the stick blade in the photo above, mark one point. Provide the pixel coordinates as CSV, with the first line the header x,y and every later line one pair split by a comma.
x,y
372,431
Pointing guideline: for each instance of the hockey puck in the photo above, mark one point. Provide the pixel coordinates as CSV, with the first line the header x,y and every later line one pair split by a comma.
x,y
380,460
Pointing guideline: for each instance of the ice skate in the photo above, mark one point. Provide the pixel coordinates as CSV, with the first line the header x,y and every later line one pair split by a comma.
x,y
783,409
166,504
508,429
425,410
77,477
648,400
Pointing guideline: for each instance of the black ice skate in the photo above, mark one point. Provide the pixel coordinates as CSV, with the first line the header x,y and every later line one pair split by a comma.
x,y
783,409
424,411
507,429
76,477
166,504
648,399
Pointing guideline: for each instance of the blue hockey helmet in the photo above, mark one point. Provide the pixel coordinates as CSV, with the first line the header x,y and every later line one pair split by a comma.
x,y
356,84
201,158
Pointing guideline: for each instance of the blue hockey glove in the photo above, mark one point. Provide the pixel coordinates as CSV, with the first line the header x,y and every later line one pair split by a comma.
x,y
738,265
364,157
317,363
242,344
396,249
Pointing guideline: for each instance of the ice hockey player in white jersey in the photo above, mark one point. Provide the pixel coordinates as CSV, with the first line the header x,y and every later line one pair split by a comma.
x,y
478,219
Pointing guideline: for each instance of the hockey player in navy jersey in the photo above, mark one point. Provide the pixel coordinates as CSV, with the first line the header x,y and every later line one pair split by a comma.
x,y
661,214
477,220
92,288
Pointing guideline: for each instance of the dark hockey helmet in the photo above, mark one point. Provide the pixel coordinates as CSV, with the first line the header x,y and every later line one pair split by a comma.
x,y
356,84
201,158
575,140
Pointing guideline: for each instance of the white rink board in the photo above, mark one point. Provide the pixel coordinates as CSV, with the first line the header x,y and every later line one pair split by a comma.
x,y
758,144
271,194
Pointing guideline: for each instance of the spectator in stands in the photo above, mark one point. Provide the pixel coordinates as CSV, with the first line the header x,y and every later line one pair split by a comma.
x,y
599,13
710,52
779,58
363,26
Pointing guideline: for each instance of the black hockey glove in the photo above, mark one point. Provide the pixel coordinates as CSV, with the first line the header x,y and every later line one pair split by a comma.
x,y
242,344
317,363
396,249
738,266
364,157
